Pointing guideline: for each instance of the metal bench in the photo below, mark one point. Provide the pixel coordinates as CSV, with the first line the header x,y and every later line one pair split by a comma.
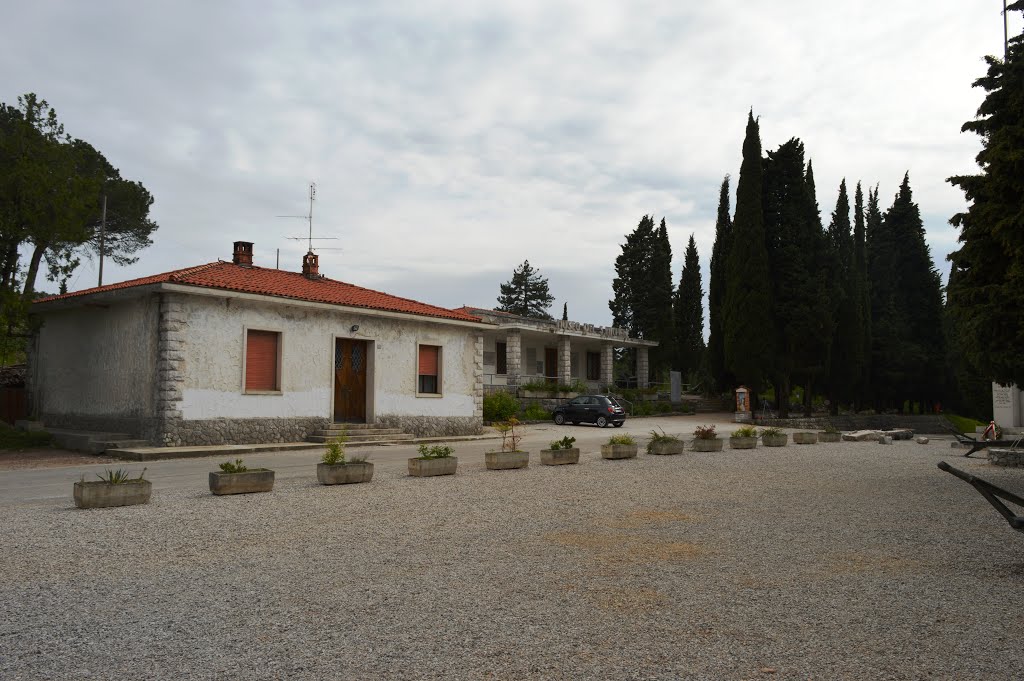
x,y
993,495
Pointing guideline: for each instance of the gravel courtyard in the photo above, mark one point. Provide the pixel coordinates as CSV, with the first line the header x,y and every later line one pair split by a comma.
x,y
847,560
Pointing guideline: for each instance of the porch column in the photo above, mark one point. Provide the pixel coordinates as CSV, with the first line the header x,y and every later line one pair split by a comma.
x,y
513,357
643,368
478,377
564,361
607,360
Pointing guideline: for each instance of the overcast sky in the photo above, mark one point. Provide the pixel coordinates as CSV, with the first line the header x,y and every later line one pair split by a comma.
x,y
451,140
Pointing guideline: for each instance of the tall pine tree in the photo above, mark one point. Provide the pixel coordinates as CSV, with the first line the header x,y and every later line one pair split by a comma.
x,y
658,304
716,291
689,314
526,294
847,345
862,288
986,287
747,322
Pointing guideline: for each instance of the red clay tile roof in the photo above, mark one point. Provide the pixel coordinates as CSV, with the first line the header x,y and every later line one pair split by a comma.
x,y
280,284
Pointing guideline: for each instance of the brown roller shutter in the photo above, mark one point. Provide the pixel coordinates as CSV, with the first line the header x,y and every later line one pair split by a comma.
x,y
261,360
428,360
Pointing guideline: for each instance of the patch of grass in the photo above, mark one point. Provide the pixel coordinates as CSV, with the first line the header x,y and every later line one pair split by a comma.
x,y
964,424
11,438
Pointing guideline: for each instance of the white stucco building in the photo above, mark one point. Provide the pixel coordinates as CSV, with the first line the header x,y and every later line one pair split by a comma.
x,y
228,352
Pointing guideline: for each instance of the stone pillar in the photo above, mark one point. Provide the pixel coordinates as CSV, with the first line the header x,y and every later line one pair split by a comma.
x,y
478,378
564,360
607,362
1006,405
643,368
513,356
170,369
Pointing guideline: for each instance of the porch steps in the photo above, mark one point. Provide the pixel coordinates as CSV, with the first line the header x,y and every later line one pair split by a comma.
x,y
358,433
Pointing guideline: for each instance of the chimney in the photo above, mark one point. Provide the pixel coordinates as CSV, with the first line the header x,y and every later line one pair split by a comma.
x,y
311,265
243,253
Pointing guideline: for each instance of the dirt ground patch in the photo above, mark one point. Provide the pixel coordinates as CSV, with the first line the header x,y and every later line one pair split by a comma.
x,y
17,459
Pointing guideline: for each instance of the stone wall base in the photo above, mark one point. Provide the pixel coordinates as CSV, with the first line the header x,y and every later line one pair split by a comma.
x,y
180,432
929,424
141,427
432,426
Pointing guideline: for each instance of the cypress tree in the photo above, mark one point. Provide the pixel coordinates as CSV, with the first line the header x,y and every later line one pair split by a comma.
x,y
880,248
863,294
986,285
847,346
565,312
821,325
716,290
747,322
631,266
658,304
689,314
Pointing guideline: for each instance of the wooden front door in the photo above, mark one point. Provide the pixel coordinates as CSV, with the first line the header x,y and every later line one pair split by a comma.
x,y
551,364
349,380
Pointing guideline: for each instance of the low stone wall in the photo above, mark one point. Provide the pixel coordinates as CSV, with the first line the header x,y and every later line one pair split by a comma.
x,y
928,424
432,426
1012,458
141,427
179,432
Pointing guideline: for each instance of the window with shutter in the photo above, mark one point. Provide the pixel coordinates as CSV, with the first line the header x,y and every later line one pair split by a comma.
x,y
261,361
502,352
429,375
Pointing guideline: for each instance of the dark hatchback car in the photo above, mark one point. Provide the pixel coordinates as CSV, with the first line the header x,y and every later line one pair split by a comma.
x,y
597,409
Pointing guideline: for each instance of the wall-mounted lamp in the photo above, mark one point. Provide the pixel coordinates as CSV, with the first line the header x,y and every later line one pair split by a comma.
x,y
355,327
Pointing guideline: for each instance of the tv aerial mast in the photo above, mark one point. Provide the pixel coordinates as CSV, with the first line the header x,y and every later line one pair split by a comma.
x,y
309,219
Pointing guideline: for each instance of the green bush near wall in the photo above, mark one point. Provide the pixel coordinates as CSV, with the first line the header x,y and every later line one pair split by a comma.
x,y
500,406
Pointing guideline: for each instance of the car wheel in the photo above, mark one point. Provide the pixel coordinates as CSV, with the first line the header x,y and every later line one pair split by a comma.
x,y
617,425
601,421
559,419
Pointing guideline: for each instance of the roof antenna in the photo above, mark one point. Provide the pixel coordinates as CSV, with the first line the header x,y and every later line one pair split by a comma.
x,y
308,218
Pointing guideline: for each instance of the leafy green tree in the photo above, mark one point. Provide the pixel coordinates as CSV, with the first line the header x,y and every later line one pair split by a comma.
x,y
716,290
748,340
526,294
986,285
689,314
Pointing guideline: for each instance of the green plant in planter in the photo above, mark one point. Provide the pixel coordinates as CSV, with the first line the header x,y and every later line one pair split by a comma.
x,y
771,431
660,438
744,431
621,440
509,439
831,428
335,452
705,433
236,467
565,443
434,452
118,477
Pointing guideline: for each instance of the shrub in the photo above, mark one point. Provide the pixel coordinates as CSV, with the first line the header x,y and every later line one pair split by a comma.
x,y
744,431
499,406
621,440
705,433
509,439
642,409
771,431
434,452
565,443
535,412
11,438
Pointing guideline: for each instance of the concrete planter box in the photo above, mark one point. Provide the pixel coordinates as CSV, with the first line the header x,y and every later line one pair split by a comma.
x,y
666,448
344,473
713,445
618,451
775,440
428,468
742,442
501,461
100,494
559,457
829,437
805,438
242,483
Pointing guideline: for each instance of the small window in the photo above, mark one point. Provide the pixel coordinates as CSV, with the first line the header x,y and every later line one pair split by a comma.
x,y
502,367
593,366
429,382
262,361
